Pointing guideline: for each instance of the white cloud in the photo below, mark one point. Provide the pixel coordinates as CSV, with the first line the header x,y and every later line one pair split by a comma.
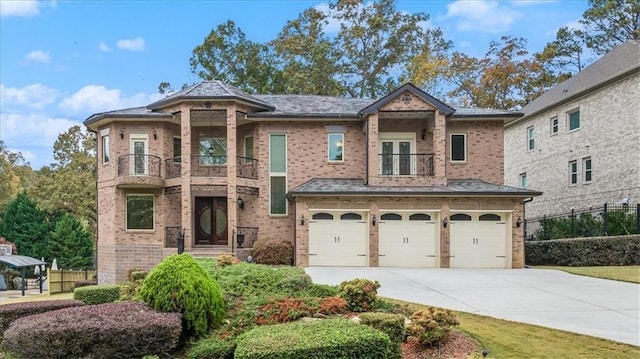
x,y
23,8
531,2
104,47
136,44
485,16
33,129
38,56
333,24
95,98
33,96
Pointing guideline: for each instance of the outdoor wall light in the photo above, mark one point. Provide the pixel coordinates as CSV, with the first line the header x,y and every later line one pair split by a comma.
x,y
374,220
445,222
424,133
302,220
155,135
519,222
122,133
240,203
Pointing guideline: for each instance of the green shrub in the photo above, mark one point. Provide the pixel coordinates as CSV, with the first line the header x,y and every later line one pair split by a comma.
x,y
359,293
179,284
138,276
11,312
97,294
388,323
321,290
273,251
211,348
593,251
431,326
112,330
85,283
319,339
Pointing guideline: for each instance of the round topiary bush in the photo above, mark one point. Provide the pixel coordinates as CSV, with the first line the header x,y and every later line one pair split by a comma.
x,y
273,251
179,284
360,293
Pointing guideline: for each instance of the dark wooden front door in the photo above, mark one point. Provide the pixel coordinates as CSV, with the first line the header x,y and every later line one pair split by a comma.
x,y
211,220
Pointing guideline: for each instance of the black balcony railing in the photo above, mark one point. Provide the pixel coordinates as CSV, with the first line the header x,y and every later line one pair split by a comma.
x,y
406,164
247,168
172,167
209,166
139,165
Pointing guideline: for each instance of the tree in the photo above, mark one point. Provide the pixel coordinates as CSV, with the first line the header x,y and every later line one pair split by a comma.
x,y
565,55
429,68
377,42
609,23
504,79
24,224
71,244
15,175
309,58
227,55
69,184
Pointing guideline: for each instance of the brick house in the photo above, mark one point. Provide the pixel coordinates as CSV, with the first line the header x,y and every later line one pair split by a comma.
x,y
401,181
580,140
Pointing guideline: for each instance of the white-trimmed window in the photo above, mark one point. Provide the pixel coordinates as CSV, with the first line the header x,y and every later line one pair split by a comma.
x,y
278,174
573,172
587,169
458,147
139,212
213,151
335,150
104,137
523,180
554,126
573,119
531,138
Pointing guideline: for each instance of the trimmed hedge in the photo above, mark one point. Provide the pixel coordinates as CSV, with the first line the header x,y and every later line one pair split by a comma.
x,y
211,348
319,339
112,330
388,323
592,251
273,251
11,312
97,294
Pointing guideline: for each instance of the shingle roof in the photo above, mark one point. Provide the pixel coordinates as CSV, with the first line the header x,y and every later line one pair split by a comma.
x,y
357,187
484,112
620,61
16,261
312,106
211,90
441,106
127,112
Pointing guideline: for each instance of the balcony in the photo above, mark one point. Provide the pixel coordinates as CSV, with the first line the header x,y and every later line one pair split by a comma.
x,y
212,166
139,171
406,164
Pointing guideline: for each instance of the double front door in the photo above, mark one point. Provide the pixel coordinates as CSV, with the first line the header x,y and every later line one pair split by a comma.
x,y
211,220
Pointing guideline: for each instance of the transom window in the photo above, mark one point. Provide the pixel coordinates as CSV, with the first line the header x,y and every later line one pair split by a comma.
x,y
574,119
391,217
531,135
139,211
586,167
351,217
489,217
419,217
573,172
335,142
554,126
460,217
322,216
458,147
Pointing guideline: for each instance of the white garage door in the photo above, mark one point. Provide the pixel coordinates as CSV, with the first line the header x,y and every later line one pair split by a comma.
x,y
478,240
407,240
338,239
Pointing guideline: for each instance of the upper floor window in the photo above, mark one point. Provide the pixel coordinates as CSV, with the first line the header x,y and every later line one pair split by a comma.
x,y
139,211
573,172
554,126
177,149
335,151
104,140
213,151
523,180
248,148
586,168
573,117
458,147
278,174
531,135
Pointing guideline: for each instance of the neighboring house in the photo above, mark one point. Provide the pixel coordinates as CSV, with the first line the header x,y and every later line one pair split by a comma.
x,y
402,181
579,142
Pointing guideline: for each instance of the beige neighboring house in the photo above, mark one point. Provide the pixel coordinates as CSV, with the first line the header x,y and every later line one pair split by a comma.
x,y
401,181
579,142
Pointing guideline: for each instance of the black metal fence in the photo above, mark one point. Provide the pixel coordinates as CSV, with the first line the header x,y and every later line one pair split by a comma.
x,y
607,220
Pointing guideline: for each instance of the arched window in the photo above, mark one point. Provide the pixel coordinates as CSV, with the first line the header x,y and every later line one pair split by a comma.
x,y
391,217
460,217
490,217
419,217
322,216
350,217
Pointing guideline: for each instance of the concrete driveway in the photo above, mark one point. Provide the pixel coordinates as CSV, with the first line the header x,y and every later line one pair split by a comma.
x,y
549,298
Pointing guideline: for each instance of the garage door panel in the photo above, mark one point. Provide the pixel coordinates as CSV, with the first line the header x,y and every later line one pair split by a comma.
x,y
479,242
334,241
406,243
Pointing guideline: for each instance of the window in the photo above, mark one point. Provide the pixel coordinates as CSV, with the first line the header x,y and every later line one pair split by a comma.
x,y
213,151
391,217
489,217
139,211
573,172
248,149
278,174
523,180
177,149
397,157
554,126
574,119
531,137
586,167
458,147
460,217
105,149
335,142
139,149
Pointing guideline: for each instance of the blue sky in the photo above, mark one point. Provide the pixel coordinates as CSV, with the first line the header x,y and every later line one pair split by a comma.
x,y
61,61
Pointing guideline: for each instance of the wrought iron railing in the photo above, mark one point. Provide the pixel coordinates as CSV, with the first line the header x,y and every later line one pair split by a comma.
x,y
139,165
406,164
209,166
247,168
172,167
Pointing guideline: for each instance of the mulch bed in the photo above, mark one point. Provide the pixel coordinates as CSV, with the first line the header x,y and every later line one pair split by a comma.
x,y
456,346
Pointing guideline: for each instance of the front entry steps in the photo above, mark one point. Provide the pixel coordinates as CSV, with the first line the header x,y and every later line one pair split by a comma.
x,y
208,251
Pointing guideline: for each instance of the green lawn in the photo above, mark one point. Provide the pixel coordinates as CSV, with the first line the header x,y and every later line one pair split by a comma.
x,y
622,273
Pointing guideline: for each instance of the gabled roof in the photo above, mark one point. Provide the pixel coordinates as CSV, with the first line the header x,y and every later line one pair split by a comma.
x,y
616,64
357,187
441,106
211,90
